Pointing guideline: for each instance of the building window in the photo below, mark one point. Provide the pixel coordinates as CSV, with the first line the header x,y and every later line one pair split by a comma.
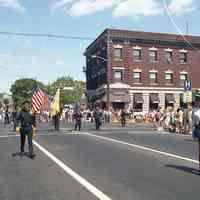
x,y
118,75
153,77
153,56
137,55
138,102
168,56
118,53
183,57
169,78
183,78
137,77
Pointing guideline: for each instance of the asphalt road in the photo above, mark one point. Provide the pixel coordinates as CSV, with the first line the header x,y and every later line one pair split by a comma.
x,y
112,163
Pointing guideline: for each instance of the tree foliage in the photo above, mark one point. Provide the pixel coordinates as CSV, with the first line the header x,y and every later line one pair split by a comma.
x,y
6,102
67,96
23,89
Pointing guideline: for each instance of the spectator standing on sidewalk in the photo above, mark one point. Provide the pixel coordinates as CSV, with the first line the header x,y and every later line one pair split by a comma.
x,y
196,120
15,114
7,116
179,121
123,115
97,117
78,120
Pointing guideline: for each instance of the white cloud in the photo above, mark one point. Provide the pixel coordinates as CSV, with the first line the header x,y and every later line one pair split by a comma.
x,y
61,4
12,4
124,8
137,8
85,7
179,7
59,62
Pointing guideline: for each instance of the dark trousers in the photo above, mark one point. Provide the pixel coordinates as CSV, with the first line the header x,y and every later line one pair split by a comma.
x,y
57,125
97,123
29,132
14,125
123,122
78,125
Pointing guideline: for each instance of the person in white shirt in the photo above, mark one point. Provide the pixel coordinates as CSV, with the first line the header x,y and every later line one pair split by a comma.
x,y
196,120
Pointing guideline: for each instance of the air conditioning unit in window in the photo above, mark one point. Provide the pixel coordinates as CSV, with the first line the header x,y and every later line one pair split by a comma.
x,y
169,60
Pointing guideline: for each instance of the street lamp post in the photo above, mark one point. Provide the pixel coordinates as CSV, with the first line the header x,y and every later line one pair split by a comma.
x,y
107,81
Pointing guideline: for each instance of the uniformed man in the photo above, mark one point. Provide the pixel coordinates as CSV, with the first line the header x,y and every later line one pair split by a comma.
x,y
78,119
56,121
97,117
27,124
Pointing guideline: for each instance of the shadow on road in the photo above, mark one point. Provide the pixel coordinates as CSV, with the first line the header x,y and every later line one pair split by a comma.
x,y
19,154
191,140
185,169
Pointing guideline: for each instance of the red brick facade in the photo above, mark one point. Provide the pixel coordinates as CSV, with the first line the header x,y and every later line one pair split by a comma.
x,y
104,47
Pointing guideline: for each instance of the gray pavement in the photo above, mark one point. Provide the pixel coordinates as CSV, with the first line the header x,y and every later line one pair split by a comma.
x,y
120,171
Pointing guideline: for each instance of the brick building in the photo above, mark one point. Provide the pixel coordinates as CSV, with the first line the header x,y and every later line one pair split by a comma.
x,y
141,70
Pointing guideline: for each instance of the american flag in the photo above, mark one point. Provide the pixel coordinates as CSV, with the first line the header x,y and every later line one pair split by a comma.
x,y
38,100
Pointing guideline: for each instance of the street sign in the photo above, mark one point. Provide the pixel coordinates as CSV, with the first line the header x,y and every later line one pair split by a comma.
x,y
188,85
187,97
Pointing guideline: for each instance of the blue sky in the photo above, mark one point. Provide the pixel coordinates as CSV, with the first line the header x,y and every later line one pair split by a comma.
x,y
46,59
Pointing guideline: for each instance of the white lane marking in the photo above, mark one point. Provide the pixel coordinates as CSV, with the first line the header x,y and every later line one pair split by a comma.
x,y
37,134
143,148
8,136
96,192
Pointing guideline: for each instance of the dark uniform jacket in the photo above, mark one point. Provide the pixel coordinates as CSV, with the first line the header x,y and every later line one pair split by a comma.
x,y
26,119
78,117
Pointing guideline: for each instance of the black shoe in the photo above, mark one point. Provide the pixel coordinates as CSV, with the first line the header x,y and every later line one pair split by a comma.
x,y
21,153
32,156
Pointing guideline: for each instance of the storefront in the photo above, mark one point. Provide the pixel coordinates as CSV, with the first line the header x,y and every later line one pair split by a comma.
x,y
118,99
169,100
138,102
153,101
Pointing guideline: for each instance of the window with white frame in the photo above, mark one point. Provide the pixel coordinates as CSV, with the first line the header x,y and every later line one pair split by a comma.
x,y
118,75
169,78
183,57
153,56
168,56
137,77
153,77
118,54
137,54
183,78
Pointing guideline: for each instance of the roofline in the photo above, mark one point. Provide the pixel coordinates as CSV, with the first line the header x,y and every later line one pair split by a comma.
x,y
109,32
99,36
154,33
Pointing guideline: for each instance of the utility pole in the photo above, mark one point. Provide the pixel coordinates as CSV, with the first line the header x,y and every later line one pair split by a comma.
x,y
199,153
108,73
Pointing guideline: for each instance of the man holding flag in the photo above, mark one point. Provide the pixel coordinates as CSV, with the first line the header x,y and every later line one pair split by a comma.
x,y
55,110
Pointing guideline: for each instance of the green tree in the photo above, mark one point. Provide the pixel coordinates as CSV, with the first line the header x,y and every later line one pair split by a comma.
x,y
23,89
6,102
67,96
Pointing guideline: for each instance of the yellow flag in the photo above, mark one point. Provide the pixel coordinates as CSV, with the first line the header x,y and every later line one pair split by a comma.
x,y
55,104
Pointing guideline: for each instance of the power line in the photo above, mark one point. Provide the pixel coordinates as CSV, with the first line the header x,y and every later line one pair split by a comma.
x,y
44,35
176,26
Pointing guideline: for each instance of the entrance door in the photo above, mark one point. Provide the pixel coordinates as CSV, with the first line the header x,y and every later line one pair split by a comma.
x,y
118,105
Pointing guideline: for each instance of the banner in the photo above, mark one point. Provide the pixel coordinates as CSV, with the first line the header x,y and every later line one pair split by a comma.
x,y
55,104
